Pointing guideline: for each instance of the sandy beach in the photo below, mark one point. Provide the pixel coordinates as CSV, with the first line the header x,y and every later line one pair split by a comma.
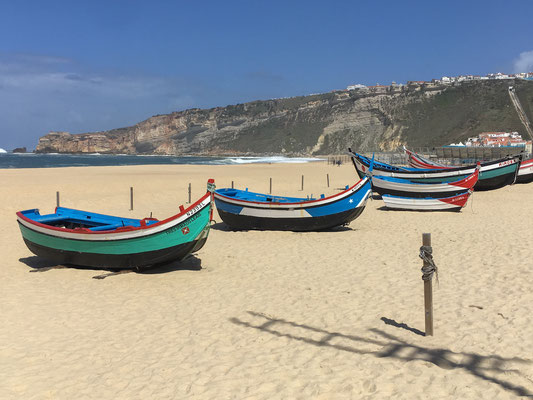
x,y
269,315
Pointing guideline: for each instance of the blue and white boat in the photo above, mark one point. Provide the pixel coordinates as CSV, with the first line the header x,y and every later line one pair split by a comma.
x,y
387,185
241,209
492,174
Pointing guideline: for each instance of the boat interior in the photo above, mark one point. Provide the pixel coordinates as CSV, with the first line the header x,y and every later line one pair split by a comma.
x,y
71,219
383,165
262,198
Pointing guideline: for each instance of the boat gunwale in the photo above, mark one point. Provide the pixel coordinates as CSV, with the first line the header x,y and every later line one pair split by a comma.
x,y
453,184
305,204
392,168
466,192
126,229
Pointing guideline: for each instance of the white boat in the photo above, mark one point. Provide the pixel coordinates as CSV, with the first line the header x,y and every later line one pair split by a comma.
x,y
454,203
407,188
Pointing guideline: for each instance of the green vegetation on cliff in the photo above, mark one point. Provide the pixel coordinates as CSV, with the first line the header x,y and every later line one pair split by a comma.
x,y
319,124
463,111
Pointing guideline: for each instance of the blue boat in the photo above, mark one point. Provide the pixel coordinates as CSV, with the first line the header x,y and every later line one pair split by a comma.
x,y
241,209
387,185
492,174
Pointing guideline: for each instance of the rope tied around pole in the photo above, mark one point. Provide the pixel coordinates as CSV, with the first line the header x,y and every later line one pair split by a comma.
x,y
429,269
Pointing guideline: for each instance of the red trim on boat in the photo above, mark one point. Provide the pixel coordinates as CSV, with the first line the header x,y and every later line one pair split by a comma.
x,y
526,163
467,182
120,229
296,203
459,201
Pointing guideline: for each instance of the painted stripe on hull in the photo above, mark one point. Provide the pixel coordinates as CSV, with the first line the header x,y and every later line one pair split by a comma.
x,y
492,179
245,222
332,211
492,176
117,261
105,236
401,203
355,200
400,193
525,173
168,238
303,204
406,188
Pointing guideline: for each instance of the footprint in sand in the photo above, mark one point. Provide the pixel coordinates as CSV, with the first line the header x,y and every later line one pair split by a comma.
x,y
369,386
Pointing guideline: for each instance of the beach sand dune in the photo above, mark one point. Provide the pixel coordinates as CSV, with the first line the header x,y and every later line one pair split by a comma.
x,y
269,315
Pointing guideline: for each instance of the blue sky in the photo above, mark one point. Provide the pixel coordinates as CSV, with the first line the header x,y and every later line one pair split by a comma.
x,y
96,65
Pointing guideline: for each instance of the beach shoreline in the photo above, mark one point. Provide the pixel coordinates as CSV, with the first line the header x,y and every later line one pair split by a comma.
x,y
263,315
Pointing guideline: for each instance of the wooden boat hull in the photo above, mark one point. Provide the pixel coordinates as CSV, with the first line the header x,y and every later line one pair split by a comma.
x,y
116,261
241,222
454,203
525,171
124,248
307,215
492,175
407,188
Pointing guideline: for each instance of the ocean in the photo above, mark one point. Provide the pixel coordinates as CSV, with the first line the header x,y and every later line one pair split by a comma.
x,y
32,160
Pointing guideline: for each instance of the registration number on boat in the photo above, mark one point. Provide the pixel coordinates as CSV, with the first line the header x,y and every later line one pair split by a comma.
x,y
508,162
182,224
194,210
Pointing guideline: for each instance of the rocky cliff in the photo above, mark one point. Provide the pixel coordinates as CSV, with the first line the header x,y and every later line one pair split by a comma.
x,y
317,124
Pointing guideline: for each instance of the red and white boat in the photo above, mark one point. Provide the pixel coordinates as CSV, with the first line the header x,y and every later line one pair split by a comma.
x,y
407,188
525,170
454,203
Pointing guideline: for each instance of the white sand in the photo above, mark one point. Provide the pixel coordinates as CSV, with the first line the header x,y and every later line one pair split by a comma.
x,y
269,315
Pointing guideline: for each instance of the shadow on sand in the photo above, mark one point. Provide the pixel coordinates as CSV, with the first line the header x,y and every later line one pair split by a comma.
x,y
392,322
489,368
221,226
191,263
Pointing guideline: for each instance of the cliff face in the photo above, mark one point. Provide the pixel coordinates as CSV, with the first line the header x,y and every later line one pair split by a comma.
x,y
317,124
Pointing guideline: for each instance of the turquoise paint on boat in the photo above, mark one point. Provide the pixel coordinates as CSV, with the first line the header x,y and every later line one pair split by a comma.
x,y
168,238
75,237
509,169
483,175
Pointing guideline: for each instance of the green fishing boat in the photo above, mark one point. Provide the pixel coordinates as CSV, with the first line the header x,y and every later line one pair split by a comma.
x,y
83,238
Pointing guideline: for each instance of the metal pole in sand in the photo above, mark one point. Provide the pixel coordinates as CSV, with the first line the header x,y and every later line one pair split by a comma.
x,y
327,175
131,198
302,182
189,193
427,276
270,186
57,199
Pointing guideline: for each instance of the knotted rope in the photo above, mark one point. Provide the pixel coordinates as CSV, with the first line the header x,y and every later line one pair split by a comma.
x,y
429,265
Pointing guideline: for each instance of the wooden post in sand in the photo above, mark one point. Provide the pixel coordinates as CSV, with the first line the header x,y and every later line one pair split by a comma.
x,y
302,182
131,198
57,199
270,186
428,289
327,175
232,184
189,193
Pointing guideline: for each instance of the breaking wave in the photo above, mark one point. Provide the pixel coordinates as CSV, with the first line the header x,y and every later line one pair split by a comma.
x,y
52,160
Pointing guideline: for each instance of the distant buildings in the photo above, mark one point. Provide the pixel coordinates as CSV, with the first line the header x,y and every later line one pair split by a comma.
x,y
445,80
357,86
496,139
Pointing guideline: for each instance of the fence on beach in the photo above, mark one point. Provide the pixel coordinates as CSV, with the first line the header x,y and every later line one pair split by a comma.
x,y
451,155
